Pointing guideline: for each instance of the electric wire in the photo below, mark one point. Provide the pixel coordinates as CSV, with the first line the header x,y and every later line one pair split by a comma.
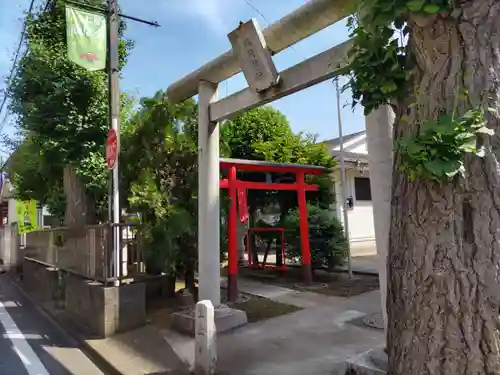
x,y
254,7
251,5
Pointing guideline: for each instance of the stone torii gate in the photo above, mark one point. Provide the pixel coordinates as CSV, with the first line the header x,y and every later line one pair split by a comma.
x,y
264,87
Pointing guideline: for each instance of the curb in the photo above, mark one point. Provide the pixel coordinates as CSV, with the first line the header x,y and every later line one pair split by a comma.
x,y
100,361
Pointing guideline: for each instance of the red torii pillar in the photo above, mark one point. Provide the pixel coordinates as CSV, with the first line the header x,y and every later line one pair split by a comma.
x,y
304,229
232,237
233,184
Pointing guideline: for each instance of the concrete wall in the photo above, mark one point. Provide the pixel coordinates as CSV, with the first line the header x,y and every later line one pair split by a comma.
x,y
360,216
40,282
104,311
98,310
10,252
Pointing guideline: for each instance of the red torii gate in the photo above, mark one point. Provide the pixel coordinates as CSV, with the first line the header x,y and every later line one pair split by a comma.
x,y
233,184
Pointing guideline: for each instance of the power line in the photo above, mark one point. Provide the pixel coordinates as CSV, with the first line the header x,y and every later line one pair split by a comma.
x,y
14,64
251,5
254,7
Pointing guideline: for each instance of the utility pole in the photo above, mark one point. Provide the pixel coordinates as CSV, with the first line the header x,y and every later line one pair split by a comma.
x,y
114,214
343,180
114,105
114,116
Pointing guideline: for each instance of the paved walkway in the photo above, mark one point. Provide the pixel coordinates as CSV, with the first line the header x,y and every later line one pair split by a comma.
x,y
365,264
314,341
31,344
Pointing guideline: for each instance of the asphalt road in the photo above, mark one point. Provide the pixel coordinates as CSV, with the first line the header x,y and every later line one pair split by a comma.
x,y
30,344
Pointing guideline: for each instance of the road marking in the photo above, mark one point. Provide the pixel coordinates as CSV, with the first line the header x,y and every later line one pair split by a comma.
x,y
17,336
25,352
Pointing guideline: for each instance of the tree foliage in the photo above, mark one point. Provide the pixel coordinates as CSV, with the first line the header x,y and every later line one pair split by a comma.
x,y
61,110
265,134
381,66
159,170
327,240
33,177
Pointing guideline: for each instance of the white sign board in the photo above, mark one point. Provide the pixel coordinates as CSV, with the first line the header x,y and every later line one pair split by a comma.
x,y
256,61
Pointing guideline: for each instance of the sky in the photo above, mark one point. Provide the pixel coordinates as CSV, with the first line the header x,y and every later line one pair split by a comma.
x,y
194,32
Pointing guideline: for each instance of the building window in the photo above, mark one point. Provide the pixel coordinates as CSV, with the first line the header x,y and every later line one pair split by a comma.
x,y
362,189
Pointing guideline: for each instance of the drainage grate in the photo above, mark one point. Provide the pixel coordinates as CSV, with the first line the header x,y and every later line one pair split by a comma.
x,y
374,321
312,286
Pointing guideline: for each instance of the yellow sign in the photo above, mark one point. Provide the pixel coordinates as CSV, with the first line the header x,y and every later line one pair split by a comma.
x,y
27,218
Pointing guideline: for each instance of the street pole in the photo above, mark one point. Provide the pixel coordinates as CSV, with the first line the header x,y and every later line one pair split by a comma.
x,y
343,181
114,106
114,115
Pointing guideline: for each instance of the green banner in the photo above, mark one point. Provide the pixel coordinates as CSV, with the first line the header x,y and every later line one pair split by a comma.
x,y
86,34
27,218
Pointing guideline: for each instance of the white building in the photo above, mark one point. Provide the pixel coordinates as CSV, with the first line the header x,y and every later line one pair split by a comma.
x,y
358,192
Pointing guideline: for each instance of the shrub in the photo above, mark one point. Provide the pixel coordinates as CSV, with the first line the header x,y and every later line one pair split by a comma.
x,y
326,238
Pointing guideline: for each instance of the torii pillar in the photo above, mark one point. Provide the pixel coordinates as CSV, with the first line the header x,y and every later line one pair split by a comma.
x,y
379,140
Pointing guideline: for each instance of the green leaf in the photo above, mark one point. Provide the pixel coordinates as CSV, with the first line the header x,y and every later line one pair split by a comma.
x,y
388,87
414,149
469,145
485,130
431,8
440,168
452,168
435,167
415,5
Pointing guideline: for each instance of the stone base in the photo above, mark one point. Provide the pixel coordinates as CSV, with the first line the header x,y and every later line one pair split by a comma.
x,y
103,311
226,319
372,362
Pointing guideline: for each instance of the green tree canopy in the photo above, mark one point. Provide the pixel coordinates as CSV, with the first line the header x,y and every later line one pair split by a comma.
x,y
265,134
62,110
160,173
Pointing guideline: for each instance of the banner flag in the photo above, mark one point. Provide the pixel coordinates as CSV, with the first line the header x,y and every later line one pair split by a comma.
x,y
243,205
26,215
86,34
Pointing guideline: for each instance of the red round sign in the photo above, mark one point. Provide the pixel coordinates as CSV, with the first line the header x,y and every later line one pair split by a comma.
x,y
111,149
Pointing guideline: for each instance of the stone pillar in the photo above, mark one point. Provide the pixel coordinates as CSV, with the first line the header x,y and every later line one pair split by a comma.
x,y
379,141
205,355
208,197
242,231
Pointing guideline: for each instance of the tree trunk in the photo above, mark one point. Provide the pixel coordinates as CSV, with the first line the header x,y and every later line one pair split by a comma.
x,y
444,251
79,208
